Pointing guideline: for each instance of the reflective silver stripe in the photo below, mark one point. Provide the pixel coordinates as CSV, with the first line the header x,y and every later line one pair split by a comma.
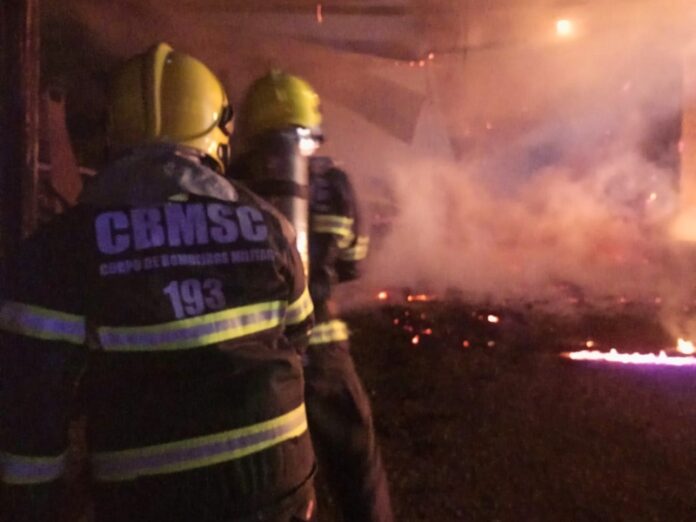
x,y
198,452
22,469
196,331
329,332
43,323
357,252
334,224
300,309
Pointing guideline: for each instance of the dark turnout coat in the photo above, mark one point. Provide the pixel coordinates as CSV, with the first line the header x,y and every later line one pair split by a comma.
x,y
340,417
177,300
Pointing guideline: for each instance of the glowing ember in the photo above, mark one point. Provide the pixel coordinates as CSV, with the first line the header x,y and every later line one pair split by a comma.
x,y
382,296
613,356
589,343
427,331
465,344
685,347
652,196
490,344
419,297
396,321
415,339
320,14
493,318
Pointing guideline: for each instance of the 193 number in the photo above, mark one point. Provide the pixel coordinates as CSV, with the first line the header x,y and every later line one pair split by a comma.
x,y
193,297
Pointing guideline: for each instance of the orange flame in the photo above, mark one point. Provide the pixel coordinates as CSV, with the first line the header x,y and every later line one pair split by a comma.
x,y
419,297
614,356
685,347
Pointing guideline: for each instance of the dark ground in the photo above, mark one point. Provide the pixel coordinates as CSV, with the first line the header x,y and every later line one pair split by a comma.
x,y
511,431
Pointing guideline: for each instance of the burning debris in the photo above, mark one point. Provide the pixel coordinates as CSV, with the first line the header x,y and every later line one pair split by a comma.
x,y
423,320
684,348
417,316
614,356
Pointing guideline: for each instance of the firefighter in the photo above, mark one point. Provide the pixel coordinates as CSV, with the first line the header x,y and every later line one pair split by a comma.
x,y
181,298
279,129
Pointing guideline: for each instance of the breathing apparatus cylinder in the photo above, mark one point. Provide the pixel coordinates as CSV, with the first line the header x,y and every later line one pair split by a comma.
x,y
279,172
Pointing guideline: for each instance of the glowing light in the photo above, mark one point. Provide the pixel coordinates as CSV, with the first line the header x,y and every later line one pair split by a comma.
x,y
652,196
382,296
589,343
465,344
565,27
431,56
427,331
493,318
320,14
613,356
308,144
685,347
396,321
490,344
419,297
415,340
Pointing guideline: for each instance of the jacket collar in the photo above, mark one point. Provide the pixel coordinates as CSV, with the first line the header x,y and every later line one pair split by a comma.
x,y
154,174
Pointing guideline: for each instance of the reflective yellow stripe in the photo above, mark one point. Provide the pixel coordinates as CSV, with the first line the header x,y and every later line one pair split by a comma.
x,y
23,469
195,332
341,226
43,323
299,310
198,452
329,332
357,252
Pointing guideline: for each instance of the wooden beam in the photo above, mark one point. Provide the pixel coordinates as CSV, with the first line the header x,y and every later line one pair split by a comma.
x,y
19,110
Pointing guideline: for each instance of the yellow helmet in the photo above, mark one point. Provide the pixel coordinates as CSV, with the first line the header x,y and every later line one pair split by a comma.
x,y
277,101
164,96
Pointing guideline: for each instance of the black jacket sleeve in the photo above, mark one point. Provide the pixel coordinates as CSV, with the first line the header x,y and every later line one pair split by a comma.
x,y
338,243
42,335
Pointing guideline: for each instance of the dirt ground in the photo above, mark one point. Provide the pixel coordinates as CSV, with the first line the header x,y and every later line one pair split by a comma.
x,y
483,421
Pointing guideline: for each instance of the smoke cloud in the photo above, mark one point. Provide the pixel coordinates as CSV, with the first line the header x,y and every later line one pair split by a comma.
x,y
567,173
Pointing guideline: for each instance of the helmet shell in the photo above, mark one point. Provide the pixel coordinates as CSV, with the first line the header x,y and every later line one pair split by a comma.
x,y
164,96
277,101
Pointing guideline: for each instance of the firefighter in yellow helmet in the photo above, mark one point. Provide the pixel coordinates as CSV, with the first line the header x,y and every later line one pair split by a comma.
x,y
181,296
278,131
